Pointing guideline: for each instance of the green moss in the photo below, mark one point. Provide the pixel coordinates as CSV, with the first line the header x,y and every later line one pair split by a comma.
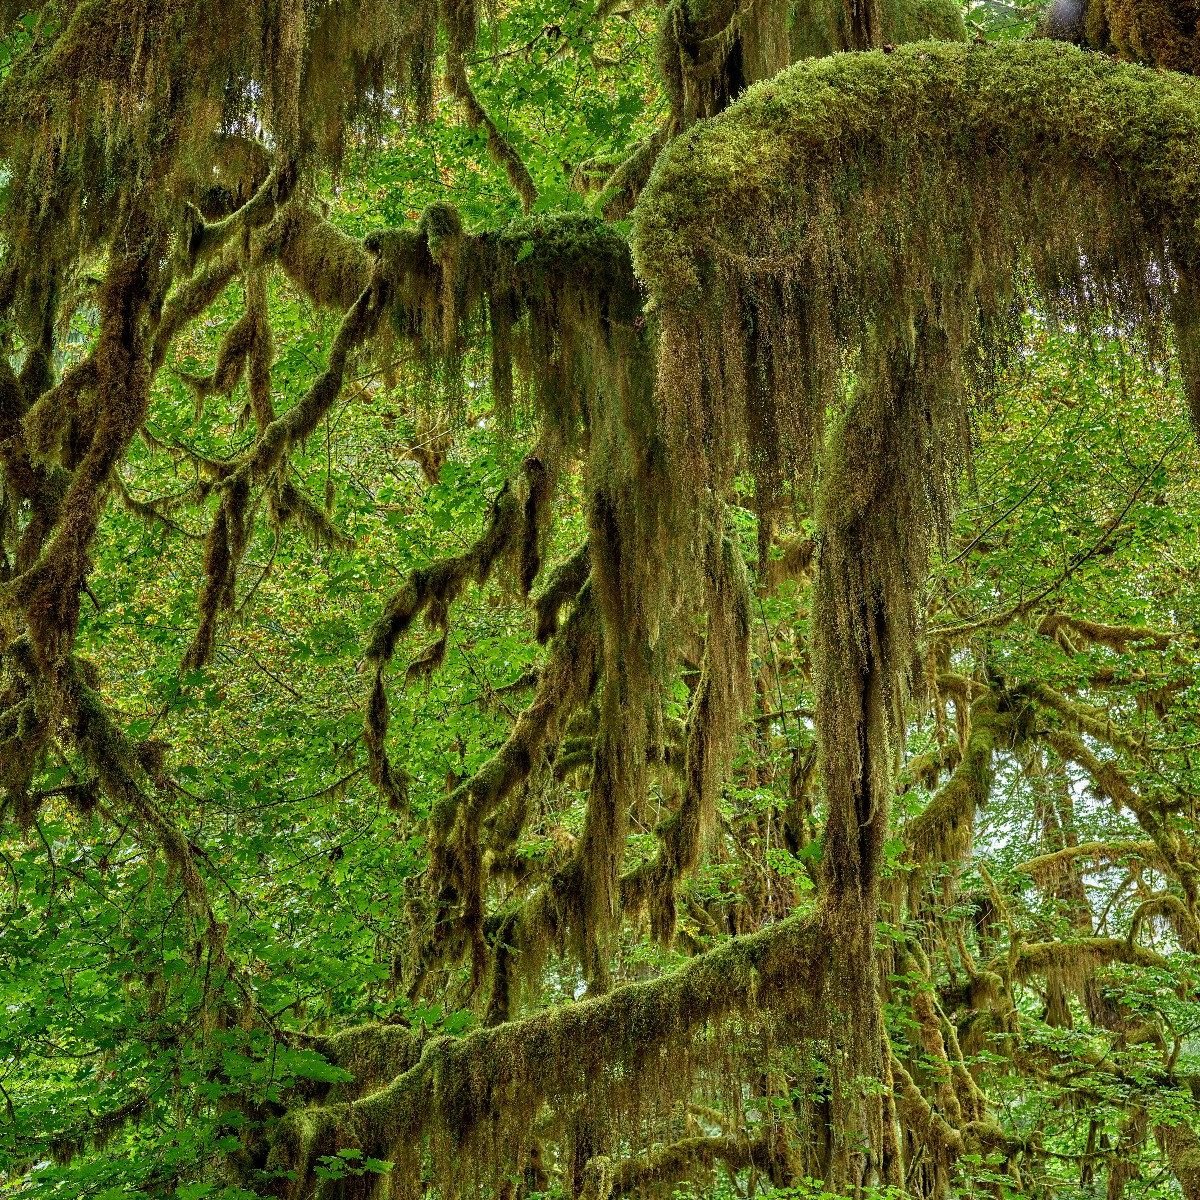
x,y
468,1105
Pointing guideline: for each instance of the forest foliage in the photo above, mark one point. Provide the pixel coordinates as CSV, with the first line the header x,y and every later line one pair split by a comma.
x,y
599,599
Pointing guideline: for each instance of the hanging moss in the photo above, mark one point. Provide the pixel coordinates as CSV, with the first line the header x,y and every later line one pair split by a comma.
x,y
179,77
516,524
718,702
47,593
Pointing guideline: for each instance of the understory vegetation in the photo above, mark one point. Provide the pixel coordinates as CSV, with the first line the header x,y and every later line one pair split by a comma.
x,y
600,600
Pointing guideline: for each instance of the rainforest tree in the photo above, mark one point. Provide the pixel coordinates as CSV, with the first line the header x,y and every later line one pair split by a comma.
x,y
599,601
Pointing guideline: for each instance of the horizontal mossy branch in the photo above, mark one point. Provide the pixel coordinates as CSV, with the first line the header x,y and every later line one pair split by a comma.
x,y
1080,957
470,1102
1067,630
1084,718
1105,854
682,1161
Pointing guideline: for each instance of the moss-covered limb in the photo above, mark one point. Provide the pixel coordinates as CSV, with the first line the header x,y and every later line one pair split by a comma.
x,y
861,143
959,1095
499,147
938,1135
927,768
1079,956
933,1138
326,265
47,593
357,326
1046,866
232,353
239,490
458,869
1112,783
1180,1142
943,829
562,587
204,240
687,1160
513,532
290,504
52,423
1181,916
23,478
938,1061
556,294
1089,720
961,688
1107,776
373,1053
1161,33
938,1085
151,511
884,498
189,299
431,591
624,184
223,551
1067,630
471,1101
